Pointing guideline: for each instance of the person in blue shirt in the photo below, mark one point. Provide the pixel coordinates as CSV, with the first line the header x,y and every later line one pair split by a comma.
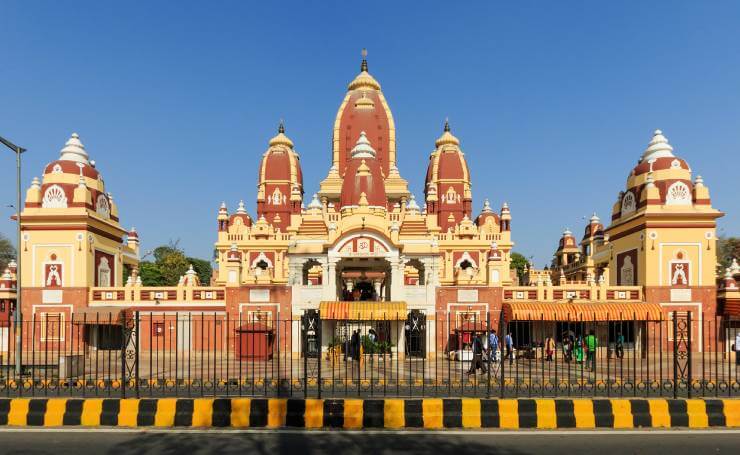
x,y
509,344
492,346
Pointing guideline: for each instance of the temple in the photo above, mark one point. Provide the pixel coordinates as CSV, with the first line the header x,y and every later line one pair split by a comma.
x,y
364,250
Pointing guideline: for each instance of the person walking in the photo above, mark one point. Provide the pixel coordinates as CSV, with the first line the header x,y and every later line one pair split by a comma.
x,y
549,348
579,350
509,345
591,345
737,348
619,351
492,347
477,361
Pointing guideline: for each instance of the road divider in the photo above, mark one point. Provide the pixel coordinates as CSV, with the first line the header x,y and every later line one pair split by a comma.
x,y
427,413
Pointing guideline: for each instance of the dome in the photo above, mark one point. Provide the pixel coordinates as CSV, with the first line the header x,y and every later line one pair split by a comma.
x,y
567,241
447,162
659,168
241,213
364,179
74,150
280,163
486,213
594,227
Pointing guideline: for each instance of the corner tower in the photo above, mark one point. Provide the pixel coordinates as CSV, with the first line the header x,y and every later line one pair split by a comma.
x,y
71,236
662,233
280,182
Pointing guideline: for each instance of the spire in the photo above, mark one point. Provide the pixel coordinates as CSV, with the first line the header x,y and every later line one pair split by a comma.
x,y
447,137
658,147
315,203
363,65
281,138
364,80
486,206
362,148
594,218
412,206
74,150
241,208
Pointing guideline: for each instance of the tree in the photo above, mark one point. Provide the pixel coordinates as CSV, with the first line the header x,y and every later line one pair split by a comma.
x,y
519,262
170,263
7,252
150,275
203,269
727,249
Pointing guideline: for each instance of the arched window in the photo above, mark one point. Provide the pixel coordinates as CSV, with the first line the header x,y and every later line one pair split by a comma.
x,y
678,194
465,264
312,272
54,198
628,203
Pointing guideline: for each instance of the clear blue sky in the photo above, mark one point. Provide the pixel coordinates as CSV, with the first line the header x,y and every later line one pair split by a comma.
x,y
553,101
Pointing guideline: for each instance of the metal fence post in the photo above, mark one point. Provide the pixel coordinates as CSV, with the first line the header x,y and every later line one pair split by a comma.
x,y
136,355
688,352
502,336
320,340
675,354
124,341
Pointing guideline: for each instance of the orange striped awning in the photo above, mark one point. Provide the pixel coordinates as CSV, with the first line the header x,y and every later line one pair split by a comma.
x,y
363,311
582,311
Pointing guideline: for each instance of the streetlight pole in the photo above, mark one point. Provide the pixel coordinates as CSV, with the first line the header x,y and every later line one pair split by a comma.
x,y
17,314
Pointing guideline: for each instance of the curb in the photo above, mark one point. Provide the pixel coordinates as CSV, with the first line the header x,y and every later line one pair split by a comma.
x,y
429,413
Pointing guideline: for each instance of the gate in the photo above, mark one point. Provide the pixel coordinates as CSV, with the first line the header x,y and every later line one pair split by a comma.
x,y
311,351
416,334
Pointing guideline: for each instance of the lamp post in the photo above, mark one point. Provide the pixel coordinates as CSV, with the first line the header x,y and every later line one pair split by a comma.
x,y
17,314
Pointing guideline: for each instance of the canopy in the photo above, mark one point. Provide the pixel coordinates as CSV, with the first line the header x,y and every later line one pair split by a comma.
x,y
363,311
582,311
102,315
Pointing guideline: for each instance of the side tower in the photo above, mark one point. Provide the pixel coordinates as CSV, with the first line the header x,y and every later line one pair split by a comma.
x,y
447,183
280,183
662,233
71,236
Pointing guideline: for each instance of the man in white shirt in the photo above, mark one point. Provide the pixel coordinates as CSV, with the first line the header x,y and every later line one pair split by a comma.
x,y
737,348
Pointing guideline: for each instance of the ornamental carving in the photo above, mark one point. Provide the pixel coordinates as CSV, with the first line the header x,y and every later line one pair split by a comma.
x,y
678,194
54,198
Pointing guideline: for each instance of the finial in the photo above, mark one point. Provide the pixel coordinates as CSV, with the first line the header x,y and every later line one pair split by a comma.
x,y
363,65
281,127
447,124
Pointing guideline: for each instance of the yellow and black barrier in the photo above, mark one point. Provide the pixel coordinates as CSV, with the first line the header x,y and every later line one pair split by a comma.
x,y
429,413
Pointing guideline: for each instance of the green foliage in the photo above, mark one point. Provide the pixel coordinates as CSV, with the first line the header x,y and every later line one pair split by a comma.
x,y
170,263
375,347
7,252
727,249
203,269
518,262
172,266
150,275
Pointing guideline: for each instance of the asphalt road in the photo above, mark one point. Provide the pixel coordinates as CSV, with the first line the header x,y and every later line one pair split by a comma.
x,y
189,442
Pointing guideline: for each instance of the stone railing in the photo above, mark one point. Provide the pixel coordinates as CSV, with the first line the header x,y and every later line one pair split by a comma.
x,y
136,294
573,291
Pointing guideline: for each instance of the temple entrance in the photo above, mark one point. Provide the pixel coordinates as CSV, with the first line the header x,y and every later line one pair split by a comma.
x,y
363,279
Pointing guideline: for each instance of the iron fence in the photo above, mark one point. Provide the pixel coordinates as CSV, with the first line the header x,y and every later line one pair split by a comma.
x,y
415,355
